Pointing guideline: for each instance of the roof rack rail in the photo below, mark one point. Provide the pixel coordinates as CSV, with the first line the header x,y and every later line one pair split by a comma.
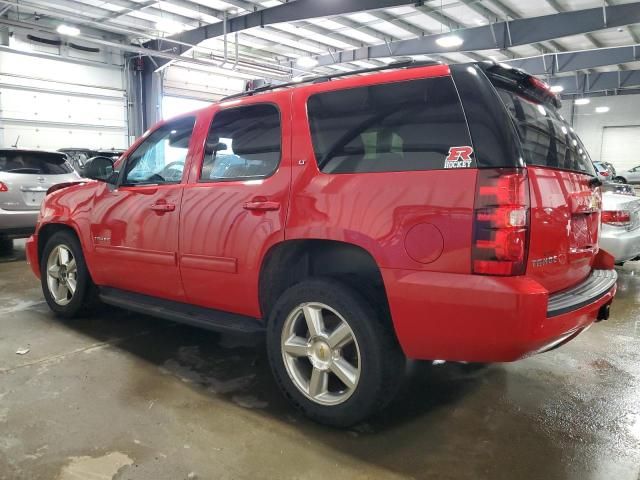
x,y
326,78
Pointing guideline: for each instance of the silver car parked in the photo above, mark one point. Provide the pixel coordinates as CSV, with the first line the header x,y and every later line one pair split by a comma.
x,y
620,235
629,176
25,177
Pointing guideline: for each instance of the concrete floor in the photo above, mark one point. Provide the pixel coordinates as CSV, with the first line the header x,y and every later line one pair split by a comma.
x,y
132,397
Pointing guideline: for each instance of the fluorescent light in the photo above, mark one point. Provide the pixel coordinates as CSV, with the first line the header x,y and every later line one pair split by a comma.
x,y
450,41
582,101
307,62
68,30
556,88
602,109
169,26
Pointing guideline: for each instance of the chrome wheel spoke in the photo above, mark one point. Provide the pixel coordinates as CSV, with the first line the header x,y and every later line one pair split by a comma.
x,y
340,337
296,346
54,271
346,372
72,285
61,292
319,382
72,266
63,256
313,317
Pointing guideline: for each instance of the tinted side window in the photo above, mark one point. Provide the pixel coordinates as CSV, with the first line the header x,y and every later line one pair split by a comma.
x,y
243,143
392,127
547,140
161,157
37,163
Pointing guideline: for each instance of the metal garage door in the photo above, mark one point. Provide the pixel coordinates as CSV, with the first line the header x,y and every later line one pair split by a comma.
x,y
620,146
51,104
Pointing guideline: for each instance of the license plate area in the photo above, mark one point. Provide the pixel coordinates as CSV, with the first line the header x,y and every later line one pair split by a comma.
x,y
33,198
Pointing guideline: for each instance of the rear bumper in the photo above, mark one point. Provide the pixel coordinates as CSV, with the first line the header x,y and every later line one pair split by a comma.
x,y
18,223
31,250
487,319
623,245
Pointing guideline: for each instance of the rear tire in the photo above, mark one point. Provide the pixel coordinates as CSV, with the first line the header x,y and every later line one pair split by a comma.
x,y
66,282
620,180
6,245
332,354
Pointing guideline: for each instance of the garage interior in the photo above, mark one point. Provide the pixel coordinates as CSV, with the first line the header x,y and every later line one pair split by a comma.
x,y
122,395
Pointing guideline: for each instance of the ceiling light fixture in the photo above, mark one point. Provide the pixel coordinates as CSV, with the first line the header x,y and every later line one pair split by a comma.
x,y
169,26
582,101
602,109
557,88
68,30
450,41
307,62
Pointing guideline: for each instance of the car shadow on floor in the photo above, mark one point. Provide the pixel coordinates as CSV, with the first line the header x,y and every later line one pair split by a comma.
x,y
440,407
13,255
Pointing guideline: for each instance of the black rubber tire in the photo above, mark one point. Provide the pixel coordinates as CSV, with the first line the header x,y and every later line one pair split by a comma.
x,y
620,179
382,361
6,245
86,297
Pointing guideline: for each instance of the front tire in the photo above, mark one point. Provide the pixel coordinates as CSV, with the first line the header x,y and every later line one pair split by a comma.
x,y
66,282
620,180
332,354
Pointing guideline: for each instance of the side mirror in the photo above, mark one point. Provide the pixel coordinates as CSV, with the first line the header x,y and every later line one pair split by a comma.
x,y
100,168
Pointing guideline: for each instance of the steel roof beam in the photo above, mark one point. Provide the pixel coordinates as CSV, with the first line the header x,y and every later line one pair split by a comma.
x,y
554,63
502,35
287,12
581,83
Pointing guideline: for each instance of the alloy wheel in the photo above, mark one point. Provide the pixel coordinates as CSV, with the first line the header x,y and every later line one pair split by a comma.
x,y
321,353
62,275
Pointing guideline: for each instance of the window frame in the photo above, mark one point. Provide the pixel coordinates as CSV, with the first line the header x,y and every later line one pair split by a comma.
x,y
200,180
126,159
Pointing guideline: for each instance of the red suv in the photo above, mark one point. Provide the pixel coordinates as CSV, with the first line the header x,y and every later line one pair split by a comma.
x,y
420,211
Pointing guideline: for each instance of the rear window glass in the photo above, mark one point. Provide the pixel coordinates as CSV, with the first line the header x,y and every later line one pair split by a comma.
x,y
37,163
547,140
403,126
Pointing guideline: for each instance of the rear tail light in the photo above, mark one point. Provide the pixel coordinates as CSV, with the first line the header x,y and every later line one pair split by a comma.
x,y
501,222
604,174
3,187
619,218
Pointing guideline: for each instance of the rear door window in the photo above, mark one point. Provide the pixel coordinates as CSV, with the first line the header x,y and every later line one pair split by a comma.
x,y
243,143
37,163
547,140
402,126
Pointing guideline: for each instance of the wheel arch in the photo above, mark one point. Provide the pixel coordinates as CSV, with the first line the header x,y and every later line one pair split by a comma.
x,y
48,230
291,261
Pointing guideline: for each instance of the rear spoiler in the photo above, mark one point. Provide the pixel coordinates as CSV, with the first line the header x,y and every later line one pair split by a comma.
x,y
60,186
519,81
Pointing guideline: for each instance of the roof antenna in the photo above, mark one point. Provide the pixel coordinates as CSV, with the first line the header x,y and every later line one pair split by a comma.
x,y
15,145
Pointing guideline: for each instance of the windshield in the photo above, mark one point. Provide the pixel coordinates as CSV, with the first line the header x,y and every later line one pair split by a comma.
x,y
547,139
37,163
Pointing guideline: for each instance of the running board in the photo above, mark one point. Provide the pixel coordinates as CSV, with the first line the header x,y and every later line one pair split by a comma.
x,y
210,319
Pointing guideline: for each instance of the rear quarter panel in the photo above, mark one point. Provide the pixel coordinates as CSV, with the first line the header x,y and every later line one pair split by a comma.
x,y
390,214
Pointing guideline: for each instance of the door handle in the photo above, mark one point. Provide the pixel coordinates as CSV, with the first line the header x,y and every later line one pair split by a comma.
x,y
262,205
163,207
